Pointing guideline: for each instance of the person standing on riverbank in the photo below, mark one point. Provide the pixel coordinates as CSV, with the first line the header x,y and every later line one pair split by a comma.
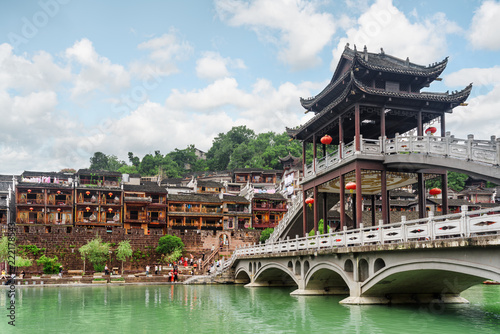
x,y
60,271
147,270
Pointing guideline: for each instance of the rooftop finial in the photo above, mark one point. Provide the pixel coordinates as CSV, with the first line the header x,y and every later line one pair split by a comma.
x,y
355,48
346,46
407,61
365,51
382,51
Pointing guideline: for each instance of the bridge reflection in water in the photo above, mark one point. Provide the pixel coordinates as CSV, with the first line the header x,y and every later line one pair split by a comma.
x,y
434,258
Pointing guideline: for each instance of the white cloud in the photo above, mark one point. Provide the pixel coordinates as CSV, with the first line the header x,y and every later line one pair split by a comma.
x,y
479,76
97,73
295,26
212,66
25,75
384,26
483,33
164,52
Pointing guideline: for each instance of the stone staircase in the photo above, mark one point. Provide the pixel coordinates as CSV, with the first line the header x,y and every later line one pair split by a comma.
x,y
296,206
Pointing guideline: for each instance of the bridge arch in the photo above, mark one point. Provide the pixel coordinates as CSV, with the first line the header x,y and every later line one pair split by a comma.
x,y
275,274
241,276
327,277
433,276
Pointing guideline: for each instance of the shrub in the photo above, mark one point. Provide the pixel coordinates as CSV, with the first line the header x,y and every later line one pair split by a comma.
x,y
264,235
169,243
50,265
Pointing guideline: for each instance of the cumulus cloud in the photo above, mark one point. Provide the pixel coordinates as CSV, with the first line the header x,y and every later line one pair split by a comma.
x,y
483,32
384,26
97,73
212,66
26,75
164,53
296,27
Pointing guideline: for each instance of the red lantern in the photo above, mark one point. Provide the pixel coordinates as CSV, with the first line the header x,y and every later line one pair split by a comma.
x,y
87,208
58,192
58,209
435,191
326,140
310,201
29,190
110,194
87,192
351,186
31,208
110,210
432,130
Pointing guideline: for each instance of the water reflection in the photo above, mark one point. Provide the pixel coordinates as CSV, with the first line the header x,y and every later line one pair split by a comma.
x,y
235,309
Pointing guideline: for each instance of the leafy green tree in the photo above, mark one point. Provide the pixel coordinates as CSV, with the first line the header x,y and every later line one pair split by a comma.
x,y
19,261
168,243
128,169
170,247
96,251
123,251
321,228
265,234
456,181
99,161
50,264
135,161
219,155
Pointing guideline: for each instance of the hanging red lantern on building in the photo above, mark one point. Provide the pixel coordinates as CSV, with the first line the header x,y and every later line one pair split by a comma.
x,y
430,131
31,208
351,186
87,208
435,191
110,210
87,192
310,201
58,192
110,194
326,140
58,209
29,190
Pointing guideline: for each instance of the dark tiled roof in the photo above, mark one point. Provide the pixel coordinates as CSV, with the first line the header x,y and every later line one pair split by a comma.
x,y
199,198
211,184
275,197
98,172
172,181
401,193
148,187
258,170
236,199
47,174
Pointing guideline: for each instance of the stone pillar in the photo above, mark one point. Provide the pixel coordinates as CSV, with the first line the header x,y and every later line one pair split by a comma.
x,y
341,137
304,215
420,130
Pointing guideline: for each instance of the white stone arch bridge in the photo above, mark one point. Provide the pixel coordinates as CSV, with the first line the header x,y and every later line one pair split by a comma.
x,y
431,259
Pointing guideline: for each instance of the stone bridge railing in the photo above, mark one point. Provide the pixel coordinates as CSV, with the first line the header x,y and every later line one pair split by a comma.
x,y
470,149
296,206
459,225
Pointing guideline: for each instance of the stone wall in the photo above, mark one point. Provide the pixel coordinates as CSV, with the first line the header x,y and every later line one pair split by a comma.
x,y
64,242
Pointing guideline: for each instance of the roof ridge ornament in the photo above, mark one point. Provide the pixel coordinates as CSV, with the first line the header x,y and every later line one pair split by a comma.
x,y
408,61
365,52
382,51
346,46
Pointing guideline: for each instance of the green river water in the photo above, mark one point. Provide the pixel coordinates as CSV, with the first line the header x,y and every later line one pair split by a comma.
x,y
234,309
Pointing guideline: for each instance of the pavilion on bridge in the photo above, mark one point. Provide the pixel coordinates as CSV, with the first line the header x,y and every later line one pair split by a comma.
x,y
371,99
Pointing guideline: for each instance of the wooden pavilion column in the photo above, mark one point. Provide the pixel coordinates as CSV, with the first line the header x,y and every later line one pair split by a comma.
x,y
421,195
342,201
444,193
357,128
359,198
383,193
373,210
315,153
341,137
382,122
420,129
304,216
444,177
325,214
315,213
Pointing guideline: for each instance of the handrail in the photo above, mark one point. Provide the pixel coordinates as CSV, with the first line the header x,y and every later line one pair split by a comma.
x,y
470,149
287,218
463,225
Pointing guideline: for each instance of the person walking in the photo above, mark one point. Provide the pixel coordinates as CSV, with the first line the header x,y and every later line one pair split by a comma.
x,y
147,270
156,269
60,271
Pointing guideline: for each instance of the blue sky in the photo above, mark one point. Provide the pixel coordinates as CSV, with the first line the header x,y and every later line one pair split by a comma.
x,y
78,77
